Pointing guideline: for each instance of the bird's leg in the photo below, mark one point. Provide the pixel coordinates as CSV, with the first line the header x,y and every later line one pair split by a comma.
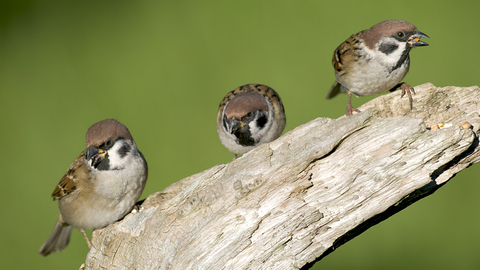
x,y
350,109
408,90
86,238
234,156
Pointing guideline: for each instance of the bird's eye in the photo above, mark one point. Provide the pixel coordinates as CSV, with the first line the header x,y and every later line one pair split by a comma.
x,y
108,143
249,114
400,34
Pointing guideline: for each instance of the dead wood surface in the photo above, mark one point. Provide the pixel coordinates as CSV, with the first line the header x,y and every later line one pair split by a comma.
x,y
286,204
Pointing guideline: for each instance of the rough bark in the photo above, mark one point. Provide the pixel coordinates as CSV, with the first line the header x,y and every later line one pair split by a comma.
x,y
289,203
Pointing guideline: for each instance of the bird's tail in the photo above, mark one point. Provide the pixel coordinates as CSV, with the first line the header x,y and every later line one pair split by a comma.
x,y
57,240
334,90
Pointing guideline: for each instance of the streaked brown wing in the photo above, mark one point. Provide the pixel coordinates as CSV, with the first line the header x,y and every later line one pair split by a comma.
x,y
67,183
344,55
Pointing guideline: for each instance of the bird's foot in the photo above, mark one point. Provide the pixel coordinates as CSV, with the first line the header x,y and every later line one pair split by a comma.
x,y
351,110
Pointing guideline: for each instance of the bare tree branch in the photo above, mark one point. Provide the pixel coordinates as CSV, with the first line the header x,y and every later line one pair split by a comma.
x,y
289,203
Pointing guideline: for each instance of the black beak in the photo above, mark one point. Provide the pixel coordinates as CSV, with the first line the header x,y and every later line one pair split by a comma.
x,y
236,125
95,155
415,41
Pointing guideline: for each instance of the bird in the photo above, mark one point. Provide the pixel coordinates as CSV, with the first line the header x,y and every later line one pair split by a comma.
x,y
375,60
101,186
249,116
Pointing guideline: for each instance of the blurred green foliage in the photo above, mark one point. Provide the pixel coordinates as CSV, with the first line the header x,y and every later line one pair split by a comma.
x,y
162,67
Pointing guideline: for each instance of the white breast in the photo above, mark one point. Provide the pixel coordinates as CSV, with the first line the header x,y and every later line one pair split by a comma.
x,y
115,193
373,74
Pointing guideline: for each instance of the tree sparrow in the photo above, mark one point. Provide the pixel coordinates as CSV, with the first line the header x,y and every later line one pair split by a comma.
x,y
248,116
375,60
101,186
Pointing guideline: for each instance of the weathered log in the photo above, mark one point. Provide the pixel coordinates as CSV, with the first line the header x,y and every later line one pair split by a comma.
x,y
289,203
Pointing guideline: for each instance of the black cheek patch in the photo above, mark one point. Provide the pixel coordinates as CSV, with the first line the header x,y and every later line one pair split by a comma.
x,y
388,48
124,150
262,121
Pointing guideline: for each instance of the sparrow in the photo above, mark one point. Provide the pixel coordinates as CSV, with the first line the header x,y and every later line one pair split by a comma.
x,y
248,116
101,186
375,60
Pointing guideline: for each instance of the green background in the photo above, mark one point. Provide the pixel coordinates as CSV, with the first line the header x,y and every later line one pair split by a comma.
x,y
162,68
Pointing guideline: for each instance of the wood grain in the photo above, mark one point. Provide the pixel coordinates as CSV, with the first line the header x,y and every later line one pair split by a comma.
x,y
289,203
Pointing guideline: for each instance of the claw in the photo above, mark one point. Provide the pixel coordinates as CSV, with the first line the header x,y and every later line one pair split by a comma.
x,y
351,109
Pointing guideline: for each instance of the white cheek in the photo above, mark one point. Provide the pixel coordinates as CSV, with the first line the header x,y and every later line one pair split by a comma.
x,y
116,161
255,130
261,134
392,58
126,174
